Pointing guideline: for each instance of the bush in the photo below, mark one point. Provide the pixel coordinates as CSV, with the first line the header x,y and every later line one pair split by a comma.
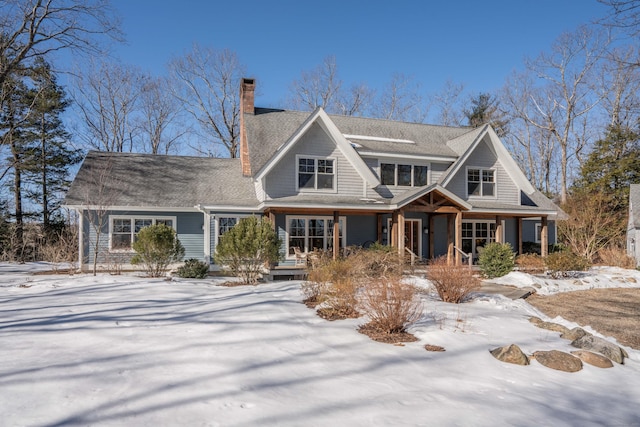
x,y
390,305
156,247
616,257
193,269
496,259
530,263
452,282
565,264
247,248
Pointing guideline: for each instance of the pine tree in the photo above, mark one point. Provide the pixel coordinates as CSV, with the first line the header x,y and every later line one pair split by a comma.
x,y
48,143
485,109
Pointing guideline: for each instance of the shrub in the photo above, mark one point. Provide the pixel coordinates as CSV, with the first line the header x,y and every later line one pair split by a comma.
x,y
333,285
452,282
193,269
156,247
496,259
530,263
565,264
616,257
247,247
391,306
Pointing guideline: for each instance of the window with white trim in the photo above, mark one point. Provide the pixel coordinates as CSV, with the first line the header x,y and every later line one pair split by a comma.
x,y
403,175
477,234
309,233
123,230
481,182
538,233
315,173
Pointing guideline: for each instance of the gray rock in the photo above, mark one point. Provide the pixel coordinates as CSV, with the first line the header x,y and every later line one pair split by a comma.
x,y
602,346
574,334
510,354
558,360
594,359
548,325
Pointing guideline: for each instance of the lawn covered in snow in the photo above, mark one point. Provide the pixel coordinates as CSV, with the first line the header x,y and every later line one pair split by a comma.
x,y
126,350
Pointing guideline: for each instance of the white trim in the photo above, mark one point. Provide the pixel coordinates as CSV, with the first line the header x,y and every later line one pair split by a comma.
x,y
537,232
395,173
315,188
420,233
153,219
216,220
378,138
80,239
135,208
430,158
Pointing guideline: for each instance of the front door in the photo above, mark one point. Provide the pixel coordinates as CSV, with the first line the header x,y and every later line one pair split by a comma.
x,y
412,236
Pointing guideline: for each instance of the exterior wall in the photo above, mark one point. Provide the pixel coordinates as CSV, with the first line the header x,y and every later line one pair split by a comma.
x,y
189,226
437,170
484,157
281,181
633,244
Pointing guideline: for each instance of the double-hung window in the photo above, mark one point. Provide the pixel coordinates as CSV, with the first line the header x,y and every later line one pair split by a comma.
x,y
403,175
481,182
309,233
316,173
123,230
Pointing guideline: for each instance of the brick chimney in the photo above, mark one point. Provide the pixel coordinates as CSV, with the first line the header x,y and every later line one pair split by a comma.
x,y
247,89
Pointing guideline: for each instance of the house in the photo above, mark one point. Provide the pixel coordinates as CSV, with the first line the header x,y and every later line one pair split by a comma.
x,y
633,225
325,182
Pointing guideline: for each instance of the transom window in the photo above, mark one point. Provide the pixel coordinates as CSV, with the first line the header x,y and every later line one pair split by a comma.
x,y
481,182
316,173
309,233
403,175
124,230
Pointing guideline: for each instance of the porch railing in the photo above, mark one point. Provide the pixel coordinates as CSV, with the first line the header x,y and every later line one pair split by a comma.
x,y
468,255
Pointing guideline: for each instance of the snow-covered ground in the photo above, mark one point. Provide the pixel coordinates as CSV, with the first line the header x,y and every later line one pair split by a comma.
x,y
125,350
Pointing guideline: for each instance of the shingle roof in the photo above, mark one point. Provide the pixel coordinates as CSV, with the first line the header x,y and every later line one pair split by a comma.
x,y
268,129
145,180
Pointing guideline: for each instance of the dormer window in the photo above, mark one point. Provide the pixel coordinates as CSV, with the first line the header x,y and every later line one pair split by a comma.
x,y
403,175
316,173
481,182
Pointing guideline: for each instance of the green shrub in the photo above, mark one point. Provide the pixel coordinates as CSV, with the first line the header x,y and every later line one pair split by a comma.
x,y
247,248
156,247
565,264
496,259
193,269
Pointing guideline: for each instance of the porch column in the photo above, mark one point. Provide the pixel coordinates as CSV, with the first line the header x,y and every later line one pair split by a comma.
x,y
458,236
272,220
519,235
379,232
499,230
336,234
206,225
401,233
80,239
544,238
450,238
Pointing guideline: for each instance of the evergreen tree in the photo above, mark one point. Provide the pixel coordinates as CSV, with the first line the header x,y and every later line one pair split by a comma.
x,y
485,109
613,164
48,144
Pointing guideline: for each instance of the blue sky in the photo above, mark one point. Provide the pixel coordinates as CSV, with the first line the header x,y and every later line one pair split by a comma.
x,y
477,43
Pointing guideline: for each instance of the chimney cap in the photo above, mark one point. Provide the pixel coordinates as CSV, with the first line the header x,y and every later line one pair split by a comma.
x,y
247,81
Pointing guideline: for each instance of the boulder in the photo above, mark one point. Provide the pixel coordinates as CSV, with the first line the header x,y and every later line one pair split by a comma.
x,y
602,346
574,334
594,359
548,325
510,354
558,360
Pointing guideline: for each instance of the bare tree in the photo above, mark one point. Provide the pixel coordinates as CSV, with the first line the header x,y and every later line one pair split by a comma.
x,y
33,28
209,92
355,101
568,72
448,103
624,14
106,97
401,100
159,111
619,86
319,87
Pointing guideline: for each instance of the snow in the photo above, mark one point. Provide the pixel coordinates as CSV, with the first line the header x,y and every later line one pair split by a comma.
x,y
126,350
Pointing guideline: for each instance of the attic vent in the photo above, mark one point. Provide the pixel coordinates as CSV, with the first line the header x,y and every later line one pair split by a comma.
x,y
356,145
378,138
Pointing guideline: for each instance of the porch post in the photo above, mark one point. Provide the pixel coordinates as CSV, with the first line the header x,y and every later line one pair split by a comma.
x,y
336,234
499,230
80,239
458,238
401,233
519,235
379,232
544,237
